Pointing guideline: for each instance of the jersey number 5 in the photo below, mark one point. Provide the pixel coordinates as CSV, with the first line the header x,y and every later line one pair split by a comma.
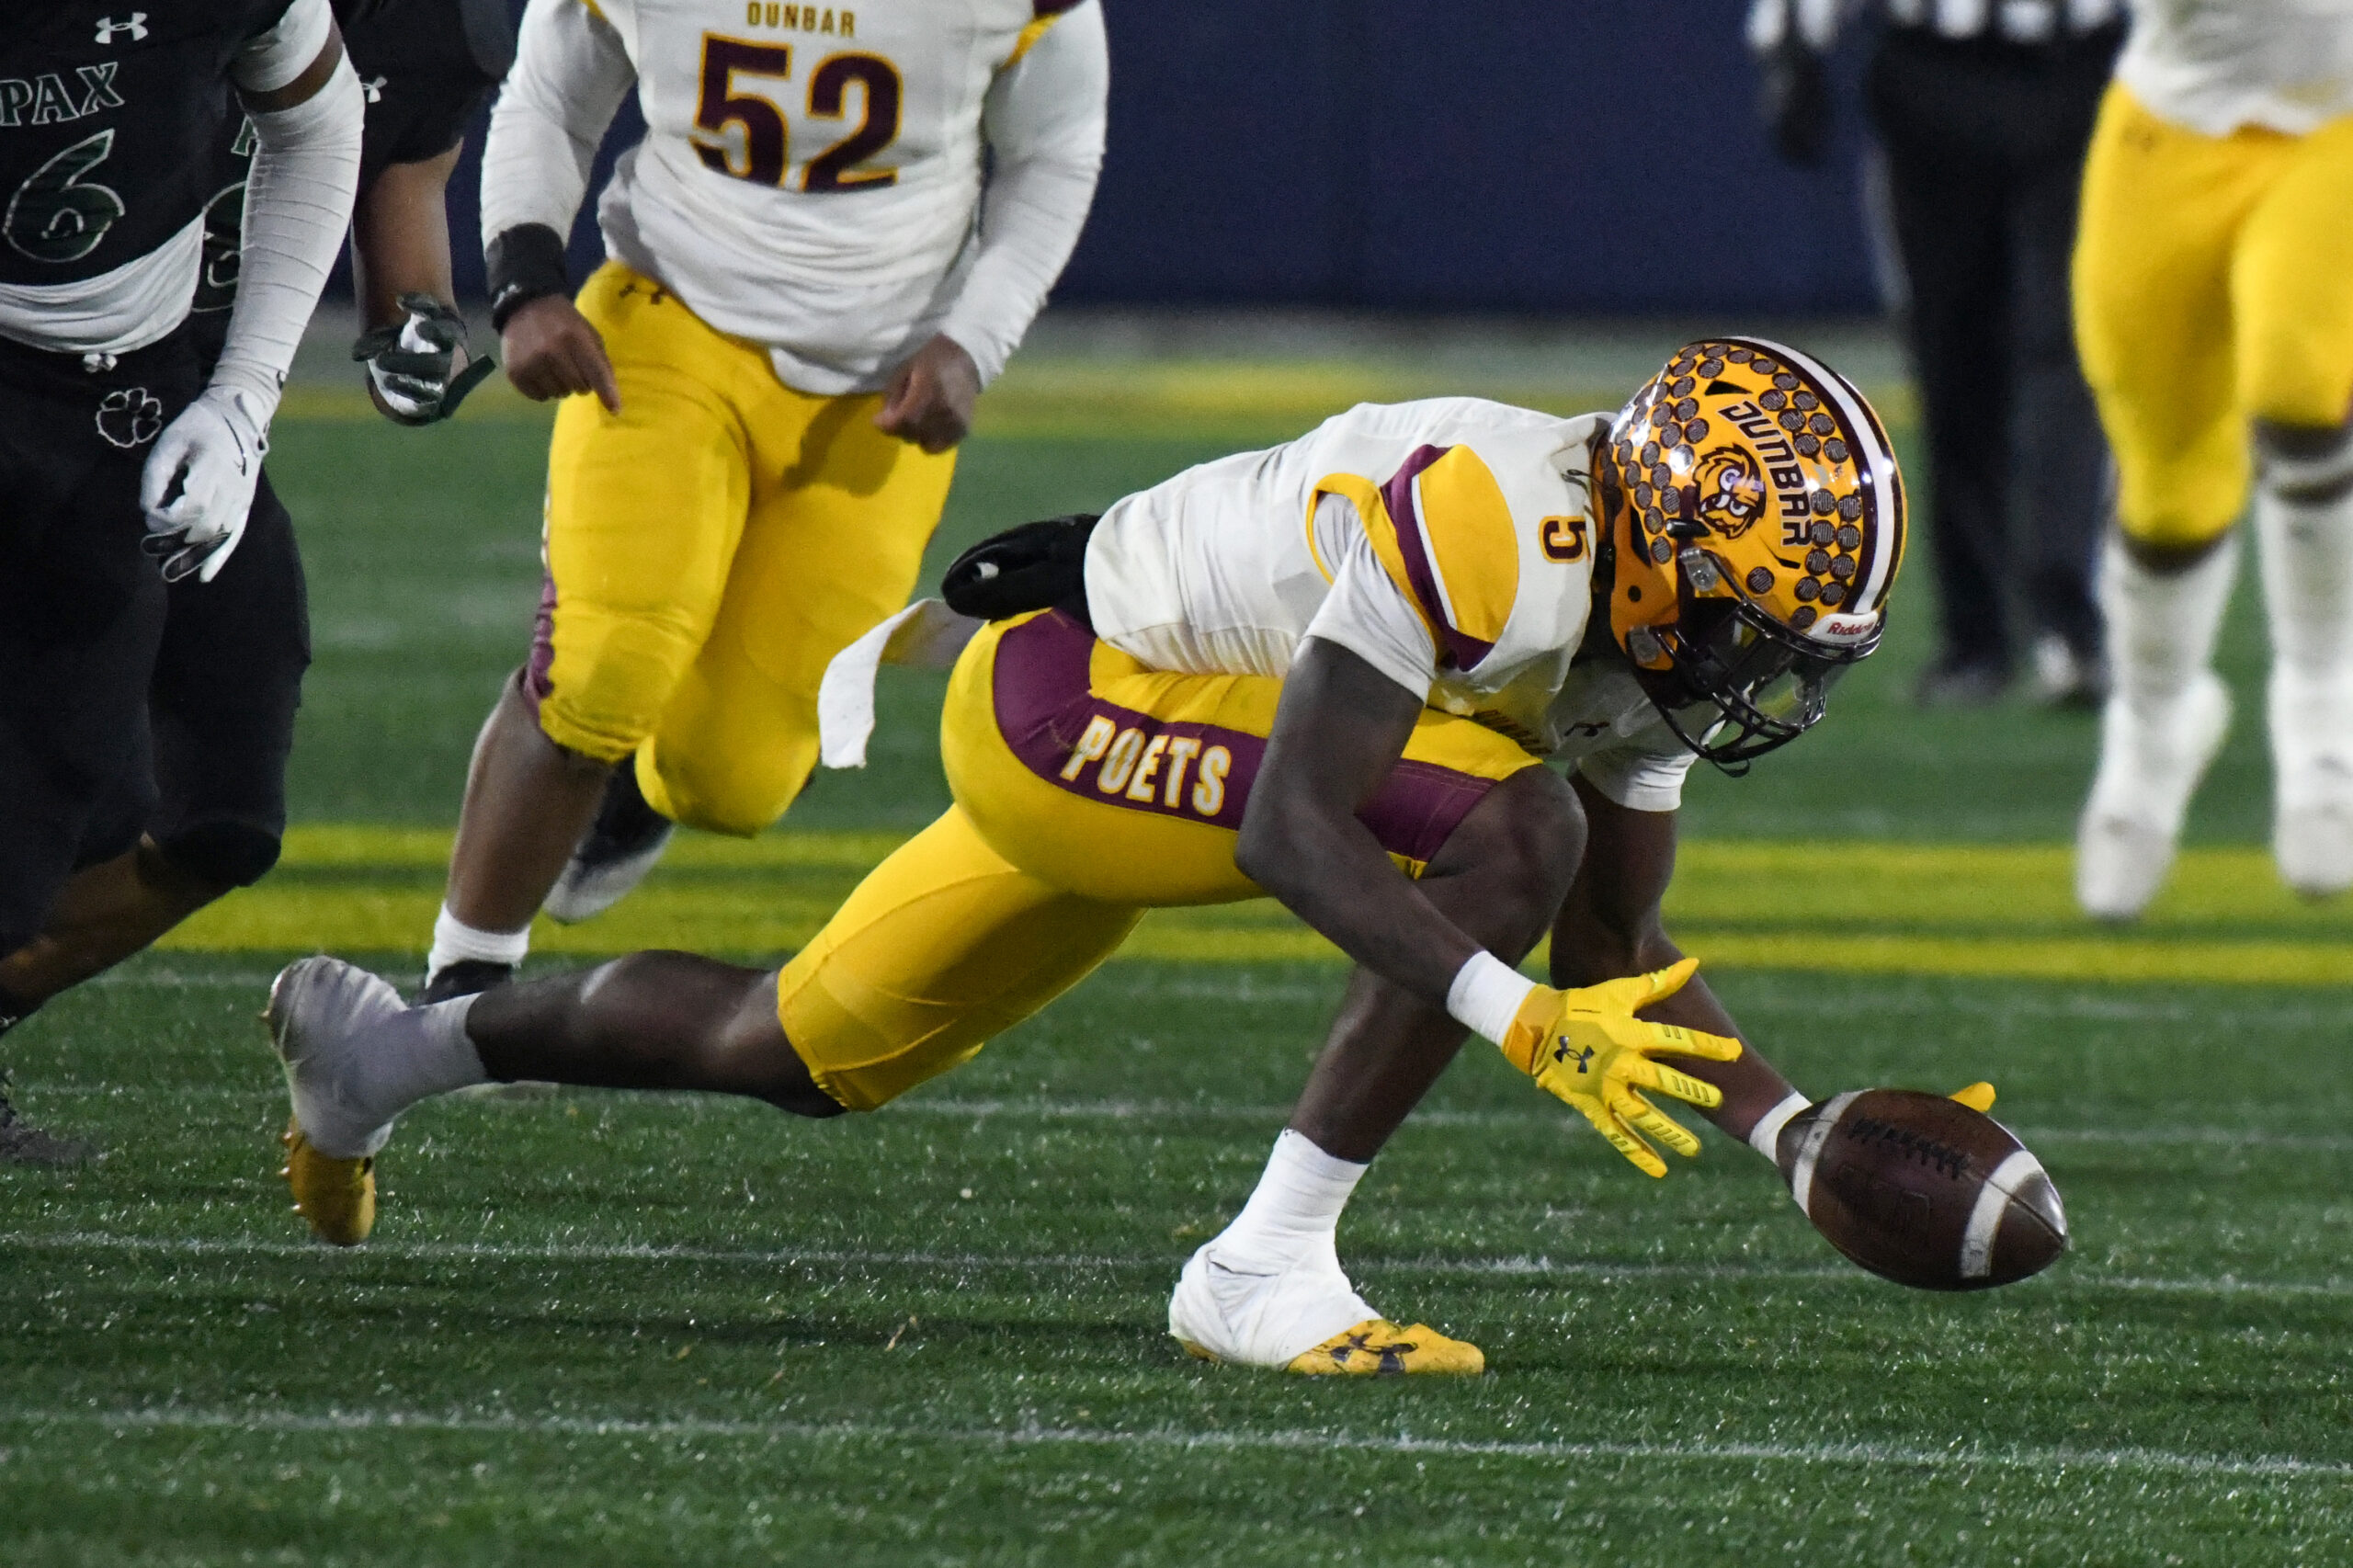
x,y
766,138
1562,538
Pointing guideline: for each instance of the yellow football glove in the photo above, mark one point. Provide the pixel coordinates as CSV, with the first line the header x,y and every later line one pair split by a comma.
x,y
1587,1047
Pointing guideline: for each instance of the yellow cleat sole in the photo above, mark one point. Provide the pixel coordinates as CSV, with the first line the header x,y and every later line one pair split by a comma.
x,y
337,1196
1379,1349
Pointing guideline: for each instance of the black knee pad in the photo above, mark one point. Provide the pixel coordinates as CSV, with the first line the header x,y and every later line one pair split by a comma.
x,y
227,853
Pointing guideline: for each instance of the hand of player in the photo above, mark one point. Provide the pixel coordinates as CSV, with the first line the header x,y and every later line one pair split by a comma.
x,y
551,351
929,401
418,370
199,484
1587,1047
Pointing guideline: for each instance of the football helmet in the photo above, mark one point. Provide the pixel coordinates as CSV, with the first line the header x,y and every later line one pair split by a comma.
x,y
1753,520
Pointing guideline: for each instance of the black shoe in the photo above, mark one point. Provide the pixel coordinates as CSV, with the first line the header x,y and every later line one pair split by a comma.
x,y
23,1144
1960,683
620,848
467,977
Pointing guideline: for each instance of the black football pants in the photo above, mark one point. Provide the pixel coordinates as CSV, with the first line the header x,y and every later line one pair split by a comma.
x,y
91,641
1985,143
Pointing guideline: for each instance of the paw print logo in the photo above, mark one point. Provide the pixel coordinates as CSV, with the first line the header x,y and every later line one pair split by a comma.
x,y
130,417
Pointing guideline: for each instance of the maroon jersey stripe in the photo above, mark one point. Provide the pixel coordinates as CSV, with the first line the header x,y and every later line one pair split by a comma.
x,y
1463,650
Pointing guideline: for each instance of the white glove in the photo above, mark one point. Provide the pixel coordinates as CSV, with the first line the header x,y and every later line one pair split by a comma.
x,y
419,369
199,484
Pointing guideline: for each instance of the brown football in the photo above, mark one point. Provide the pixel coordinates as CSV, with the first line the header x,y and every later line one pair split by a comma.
x,y
1923,1190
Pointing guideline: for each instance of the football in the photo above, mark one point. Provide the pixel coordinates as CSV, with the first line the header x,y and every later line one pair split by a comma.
x,y
1923,1190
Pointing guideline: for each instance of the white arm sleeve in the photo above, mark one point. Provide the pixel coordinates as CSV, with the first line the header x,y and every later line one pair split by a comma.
x,y
298,203
271,60
1043,118
1367,613
570,75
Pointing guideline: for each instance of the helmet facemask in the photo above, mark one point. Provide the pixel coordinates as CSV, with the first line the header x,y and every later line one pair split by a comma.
x,y
1737,683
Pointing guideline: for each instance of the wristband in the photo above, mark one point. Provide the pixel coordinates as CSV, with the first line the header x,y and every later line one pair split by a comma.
x,y
1487,995
526,263
1766,1136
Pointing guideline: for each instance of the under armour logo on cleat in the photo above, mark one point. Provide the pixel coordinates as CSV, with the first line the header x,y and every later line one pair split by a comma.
x,y
136,28
373,90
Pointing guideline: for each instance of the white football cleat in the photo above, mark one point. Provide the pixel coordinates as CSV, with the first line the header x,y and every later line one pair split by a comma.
x,y
2312,760
1304,1317
1255,1316
320,1009
2132,823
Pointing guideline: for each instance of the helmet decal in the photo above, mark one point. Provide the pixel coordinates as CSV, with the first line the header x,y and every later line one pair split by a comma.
x,y
1731,484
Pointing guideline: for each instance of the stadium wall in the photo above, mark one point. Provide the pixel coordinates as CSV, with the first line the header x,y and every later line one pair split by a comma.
x,y
1539,156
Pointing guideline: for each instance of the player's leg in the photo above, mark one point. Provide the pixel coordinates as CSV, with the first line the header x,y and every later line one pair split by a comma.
x,y
840,514
228,679
1947,183
2291,291
1269,1290
81,613
2161,210
2059,485
644,509
940,948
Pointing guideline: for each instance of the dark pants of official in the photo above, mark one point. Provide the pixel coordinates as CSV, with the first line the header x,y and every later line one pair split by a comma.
x,y
126,707
1985,143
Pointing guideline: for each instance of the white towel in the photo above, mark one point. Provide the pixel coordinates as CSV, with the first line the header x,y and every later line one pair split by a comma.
x,y
926,635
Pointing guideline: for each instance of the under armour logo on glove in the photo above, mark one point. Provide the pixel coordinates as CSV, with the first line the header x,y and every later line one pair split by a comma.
x,y
129,417
136,28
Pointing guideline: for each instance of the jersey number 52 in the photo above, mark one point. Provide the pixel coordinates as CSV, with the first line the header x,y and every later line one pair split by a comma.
x,y
759,150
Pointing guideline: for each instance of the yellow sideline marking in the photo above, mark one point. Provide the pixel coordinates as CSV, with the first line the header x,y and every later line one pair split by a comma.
x,y
1982,911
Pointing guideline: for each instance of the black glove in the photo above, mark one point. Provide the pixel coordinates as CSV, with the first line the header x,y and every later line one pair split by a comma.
x,y
1793,99
413,366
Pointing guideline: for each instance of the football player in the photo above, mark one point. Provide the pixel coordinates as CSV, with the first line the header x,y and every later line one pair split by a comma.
x,y
808,282
211,799
1332,672
126,442
2214,312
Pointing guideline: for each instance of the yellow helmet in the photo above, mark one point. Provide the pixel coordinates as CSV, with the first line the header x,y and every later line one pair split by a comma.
x,y
1753,518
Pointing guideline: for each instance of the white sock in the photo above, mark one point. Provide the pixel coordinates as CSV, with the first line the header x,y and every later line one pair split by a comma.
x,y
413,1056
1295,1214
2160,630
454,941
2308,596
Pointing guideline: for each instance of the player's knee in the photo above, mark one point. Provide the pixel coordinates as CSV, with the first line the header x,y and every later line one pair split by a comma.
x,y
605,703
719,790
1524,840
2287,379
221,853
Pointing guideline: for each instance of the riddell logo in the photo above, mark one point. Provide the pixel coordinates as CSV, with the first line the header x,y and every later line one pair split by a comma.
x,y
136,28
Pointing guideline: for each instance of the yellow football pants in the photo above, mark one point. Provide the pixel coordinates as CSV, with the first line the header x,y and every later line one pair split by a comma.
x,y
2213,282
1089,789
710,548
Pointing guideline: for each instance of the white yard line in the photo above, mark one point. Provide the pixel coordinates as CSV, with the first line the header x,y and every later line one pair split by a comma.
x,y
1036,1109
2046,1461
1597,1272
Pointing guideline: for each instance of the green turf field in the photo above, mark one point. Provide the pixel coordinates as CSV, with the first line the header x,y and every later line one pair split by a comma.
x,y
602,1329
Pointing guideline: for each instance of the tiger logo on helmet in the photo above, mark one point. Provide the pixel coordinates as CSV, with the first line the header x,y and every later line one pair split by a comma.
x,y
1754,516
1731,490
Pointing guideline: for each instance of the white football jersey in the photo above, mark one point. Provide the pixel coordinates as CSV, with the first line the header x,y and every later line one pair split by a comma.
x,y
811,176
2216,65
1448,543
